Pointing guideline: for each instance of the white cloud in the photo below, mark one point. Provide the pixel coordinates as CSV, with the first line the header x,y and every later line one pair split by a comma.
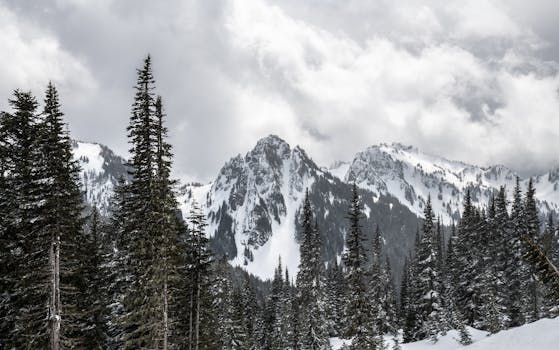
x,y
461,79
357,94
31,57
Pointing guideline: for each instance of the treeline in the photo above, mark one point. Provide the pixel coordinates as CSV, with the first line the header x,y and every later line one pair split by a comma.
x,y
495,270
144,277
484,277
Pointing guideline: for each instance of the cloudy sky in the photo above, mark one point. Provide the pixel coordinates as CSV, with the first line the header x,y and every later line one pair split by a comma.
x,y
471,80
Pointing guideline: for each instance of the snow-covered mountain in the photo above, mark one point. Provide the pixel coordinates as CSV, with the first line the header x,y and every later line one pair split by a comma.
x,y
411,175
253,204
253,208
101,171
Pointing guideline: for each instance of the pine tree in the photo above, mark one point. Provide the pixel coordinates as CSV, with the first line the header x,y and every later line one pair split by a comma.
x,y
63,209
391,323
310,285
117,265
549,246
411,324
277,313
335,296
428,284
199,264
543,265
492,314
531,229
25,283
381,289
227,322
250,313
41,227
404,303
93,289
515,271
150,228
469,263
359,324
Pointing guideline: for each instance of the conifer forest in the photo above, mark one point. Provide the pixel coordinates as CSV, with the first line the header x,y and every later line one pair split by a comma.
x,y
139,274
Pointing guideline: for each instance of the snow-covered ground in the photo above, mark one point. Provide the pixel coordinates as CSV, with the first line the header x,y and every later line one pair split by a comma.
x,y
540,335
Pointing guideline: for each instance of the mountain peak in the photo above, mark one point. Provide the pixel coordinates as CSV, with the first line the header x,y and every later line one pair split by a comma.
x,y
399,147
273,141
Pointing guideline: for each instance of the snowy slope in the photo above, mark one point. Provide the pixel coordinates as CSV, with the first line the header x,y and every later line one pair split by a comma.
x,y
540,335
252,205
101,169
411,175
253,208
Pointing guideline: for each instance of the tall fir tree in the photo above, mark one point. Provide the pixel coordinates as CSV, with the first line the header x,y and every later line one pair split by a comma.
x,y
94,288
549,246
532,299
42,226
64,206
359,325
199,262
469,263
151,226
427,293
310,285
515,270
26,283
335,296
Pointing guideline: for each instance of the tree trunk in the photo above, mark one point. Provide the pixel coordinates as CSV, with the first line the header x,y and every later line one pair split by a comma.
x,y
191,319
165,314
197,313
54,307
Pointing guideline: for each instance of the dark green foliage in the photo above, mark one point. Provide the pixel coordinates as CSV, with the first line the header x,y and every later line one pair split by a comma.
x,y
41,227
149,236
427,281
93,285
357,313
310,285
335,296
543,266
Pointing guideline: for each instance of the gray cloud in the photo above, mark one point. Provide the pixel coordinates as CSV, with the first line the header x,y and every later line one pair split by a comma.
x,y
475,81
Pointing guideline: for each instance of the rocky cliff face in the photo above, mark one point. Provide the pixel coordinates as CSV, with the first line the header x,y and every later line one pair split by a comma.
x,y
253,208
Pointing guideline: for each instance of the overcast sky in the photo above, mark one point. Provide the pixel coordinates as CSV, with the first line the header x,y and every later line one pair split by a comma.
x,y
471,80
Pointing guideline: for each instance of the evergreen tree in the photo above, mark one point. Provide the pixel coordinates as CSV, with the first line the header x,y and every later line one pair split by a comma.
x,y
469,263
41,226
360,326
532,299
310,285
549,246
335,295
150,229
430,315
63,208
515,270
93,289
543,265
26,284
250,313
391,324
411,324
199,265
277,313
381,289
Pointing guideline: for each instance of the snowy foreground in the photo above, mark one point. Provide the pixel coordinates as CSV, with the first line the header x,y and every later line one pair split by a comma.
x,y
540,335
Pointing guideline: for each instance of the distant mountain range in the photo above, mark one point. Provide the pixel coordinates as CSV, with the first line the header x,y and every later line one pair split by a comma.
x,y
253,204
